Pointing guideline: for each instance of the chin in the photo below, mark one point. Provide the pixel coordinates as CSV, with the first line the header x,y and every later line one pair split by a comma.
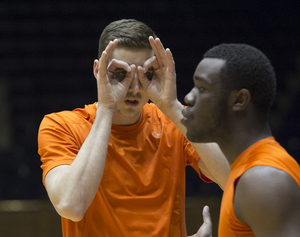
x,y
197,137
192,136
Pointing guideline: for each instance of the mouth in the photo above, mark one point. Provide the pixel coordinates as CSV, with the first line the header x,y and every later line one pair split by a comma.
x,y
131,103
184,119
184,112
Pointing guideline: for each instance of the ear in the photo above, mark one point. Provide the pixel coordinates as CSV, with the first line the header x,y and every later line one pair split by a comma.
x,y
96,68
242,100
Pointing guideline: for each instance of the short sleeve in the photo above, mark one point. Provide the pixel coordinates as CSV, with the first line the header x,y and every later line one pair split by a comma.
x,y
56,143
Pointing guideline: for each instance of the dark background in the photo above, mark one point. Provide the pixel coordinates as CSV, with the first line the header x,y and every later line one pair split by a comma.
x,y
46,59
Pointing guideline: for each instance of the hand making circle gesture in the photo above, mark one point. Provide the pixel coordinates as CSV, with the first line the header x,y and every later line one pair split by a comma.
x,y
160,85
111,89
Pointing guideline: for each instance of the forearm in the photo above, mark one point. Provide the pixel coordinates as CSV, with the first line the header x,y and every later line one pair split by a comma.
x,y
213,163
173,112
72,188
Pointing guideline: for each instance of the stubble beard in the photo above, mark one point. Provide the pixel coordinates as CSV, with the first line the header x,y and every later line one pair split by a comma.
x,y
211,132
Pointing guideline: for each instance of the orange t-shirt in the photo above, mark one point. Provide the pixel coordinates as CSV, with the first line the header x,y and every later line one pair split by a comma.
x,y
142,191
266,152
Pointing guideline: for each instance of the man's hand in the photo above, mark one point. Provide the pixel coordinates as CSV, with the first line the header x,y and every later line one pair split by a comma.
x,y
206,228
111,87
158,76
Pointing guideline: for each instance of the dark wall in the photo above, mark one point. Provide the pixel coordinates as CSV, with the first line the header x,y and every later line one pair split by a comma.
x,y
47,51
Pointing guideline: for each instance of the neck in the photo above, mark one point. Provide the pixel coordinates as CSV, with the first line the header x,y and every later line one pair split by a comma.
x,y
120,119
242,137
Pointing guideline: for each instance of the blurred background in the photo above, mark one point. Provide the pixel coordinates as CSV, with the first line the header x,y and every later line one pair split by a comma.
x,y
47,50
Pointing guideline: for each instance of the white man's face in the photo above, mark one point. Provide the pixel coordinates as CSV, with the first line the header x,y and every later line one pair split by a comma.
x,y
128,111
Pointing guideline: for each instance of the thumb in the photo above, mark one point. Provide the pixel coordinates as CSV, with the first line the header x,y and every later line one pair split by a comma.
x,y
129,76
143,78
206,228
206,215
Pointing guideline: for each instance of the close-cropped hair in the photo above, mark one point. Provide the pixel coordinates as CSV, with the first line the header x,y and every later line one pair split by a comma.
x,y
246,67
129,32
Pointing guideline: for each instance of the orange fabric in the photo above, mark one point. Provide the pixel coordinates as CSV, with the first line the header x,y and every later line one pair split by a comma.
x,y
266,152
142,192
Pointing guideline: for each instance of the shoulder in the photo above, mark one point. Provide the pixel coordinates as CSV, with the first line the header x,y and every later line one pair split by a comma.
x,y
78,115
152,111
265,197
259,179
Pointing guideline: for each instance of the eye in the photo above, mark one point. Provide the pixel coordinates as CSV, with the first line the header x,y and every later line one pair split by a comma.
x,y
119,74
149,74
200,88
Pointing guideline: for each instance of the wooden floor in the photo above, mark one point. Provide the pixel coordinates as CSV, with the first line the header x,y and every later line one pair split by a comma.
x,y
37,218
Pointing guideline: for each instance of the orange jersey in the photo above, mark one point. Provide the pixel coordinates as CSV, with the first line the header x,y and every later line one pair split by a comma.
x,y
142,191
266,152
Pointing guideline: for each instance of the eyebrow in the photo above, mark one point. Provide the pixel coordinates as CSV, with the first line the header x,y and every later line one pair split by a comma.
x,y
199,78
119,68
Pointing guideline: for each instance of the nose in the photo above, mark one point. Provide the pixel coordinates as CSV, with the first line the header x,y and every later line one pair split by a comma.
x,y
135,85
189,99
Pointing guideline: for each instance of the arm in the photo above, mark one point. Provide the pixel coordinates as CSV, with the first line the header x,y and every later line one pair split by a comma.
x,y
72,188
268,200
162,91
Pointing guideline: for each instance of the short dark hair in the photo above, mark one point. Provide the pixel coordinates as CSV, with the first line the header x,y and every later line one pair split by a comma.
x,y
130,33
247,67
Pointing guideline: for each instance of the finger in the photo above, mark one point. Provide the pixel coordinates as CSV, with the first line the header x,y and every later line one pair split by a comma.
x,y
105,56
129,76
142,77
110,48
155,49
114,64
161,53
152,43
102,68
151,62
171,62
206,228
206,215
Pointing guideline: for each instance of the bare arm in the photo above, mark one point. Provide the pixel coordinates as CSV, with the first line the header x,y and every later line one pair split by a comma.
x,y
72,188
162,91
268,200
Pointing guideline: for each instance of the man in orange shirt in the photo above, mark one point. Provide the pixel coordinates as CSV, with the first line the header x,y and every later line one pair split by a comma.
x,y
117,167
234,88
